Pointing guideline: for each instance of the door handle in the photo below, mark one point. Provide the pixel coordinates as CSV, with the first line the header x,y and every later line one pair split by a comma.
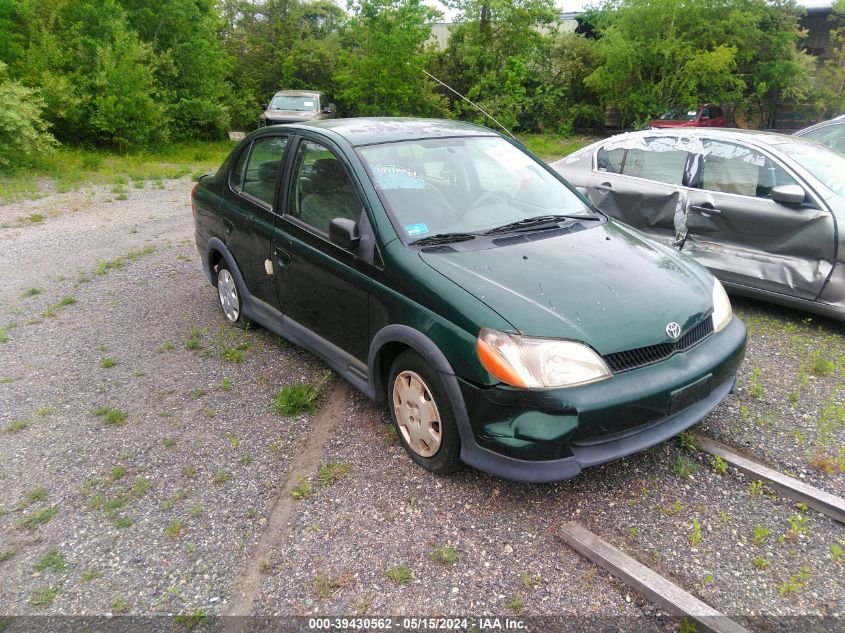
x,y
705,209
283,257
228,226
605,186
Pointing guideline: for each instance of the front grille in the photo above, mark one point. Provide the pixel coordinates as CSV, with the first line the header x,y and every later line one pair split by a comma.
x,y
642,356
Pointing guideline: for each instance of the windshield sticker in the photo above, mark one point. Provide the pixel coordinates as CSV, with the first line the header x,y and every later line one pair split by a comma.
x,y
415,229
308,103
397,177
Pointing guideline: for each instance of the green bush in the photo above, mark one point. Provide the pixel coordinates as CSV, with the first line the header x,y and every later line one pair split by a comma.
x,y
23,133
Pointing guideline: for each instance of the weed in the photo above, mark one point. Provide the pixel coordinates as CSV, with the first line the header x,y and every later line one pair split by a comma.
x,y
302,489
797,525
41,517
169,346
708,578
194,338
118,472
444,554
52,561
684,467
220,477
233,439
43,596
196,511
530,581
65,301
796,581
32,292
389,437
296,399
190,471
755,387
760,562
91,574
174,530
119,605
141,486
15,426
793,396
106,363
514,604
720,465
695,535
759,535
400,575
756,488
111,416
674,510
835,552
122,522
4,338
687,626
190,622
226,384
686,441
325,587
35,218
331,473
209,412
7,552
821,366
43,412
246,459
33,496
633,531
169,442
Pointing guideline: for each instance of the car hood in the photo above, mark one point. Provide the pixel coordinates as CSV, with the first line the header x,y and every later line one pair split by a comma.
x,y
607,285
290,115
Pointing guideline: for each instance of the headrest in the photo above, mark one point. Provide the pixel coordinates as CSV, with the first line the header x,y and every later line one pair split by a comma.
x,y
268,170
328,174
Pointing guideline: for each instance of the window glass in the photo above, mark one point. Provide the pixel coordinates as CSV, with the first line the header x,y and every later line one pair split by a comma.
x,y
730,168
659,160
322,190
463,185
610,160
263,166
831,135
825,164
236,179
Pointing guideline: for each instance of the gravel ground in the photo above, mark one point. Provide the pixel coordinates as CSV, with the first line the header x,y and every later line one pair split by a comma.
x,y
187,501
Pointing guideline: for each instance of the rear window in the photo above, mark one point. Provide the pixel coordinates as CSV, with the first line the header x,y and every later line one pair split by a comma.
x,y
659,160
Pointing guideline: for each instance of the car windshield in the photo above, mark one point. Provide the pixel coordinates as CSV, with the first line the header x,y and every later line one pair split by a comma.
x,y
679,115
824,163
465,186
300,104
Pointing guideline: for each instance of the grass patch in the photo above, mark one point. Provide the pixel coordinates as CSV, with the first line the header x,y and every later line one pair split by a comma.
x,y
106,363
220,477
551,147
39,518
400,575
296,399
43,596
111,416
74,168
4,338
515,604
52,561
32,292
302,489
174,530
16,426
684,467
331,473
6,553
444,555
91,574
33,496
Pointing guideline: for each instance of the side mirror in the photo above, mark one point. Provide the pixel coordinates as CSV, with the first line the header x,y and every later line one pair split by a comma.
x,y
343,232
264,106
788,194
329,109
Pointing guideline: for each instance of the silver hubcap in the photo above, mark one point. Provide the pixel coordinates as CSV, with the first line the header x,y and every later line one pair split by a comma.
x,y
416,413
228,292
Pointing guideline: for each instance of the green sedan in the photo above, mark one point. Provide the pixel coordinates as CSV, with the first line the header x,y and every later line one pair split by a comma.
x,y
442,269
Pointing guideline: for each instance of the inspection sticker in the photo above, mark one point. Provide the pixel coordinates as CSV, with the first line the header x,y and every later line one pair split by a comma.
x,y
415,229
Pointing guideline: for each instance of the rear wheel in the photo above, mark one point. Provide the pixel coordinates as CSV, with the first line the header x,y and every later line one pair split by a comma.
x,y
230,296
422,414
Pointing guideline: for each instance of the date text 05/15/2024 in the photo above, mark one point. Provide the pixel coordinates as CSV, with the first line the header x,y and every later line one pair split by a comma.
x,y
417,624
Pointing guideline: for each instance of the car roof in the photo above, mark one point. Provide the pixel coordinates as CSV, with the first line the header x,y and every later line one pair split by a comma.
x,y
837,120
723,133
374,130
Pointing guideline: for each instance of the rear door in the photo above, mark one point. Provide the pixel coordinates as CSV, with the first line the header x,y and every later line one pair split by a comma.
x,y
738,231
640,181
249,215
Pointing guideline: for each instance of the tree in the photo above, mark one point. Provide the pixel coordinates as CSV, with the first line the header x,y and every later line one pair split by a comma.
x,y
23,133
380,69
829,96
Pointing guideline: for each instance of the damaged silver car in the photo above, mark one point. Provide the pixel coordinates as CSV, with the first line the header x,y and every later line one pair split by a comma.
x,y
764,212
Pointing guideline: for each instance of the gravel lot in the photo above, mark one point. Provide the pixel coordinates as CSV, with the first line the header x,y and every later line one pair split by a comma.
x,y
185,504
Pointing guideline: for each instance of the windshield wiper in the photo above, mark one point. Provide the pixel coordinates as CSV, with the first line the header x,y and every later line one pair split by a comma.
x,y
443,238
540,222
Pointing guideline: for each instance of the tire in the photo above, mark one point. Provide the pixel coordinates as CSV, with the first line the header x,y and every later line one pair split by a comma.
x,y
428,432
229,297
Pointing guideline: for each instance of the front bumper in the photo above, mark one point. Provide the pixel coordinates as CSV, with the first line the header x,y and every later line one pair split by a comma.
x,y
541,436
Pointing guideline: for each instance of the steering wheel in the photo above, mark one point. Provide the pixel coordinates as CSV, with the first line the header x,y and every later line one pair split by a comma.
x,y
489,197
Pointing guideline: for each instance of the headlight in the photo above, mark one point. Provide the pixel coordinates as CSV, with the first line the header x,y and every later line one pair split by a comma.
x,y
722,311
526,361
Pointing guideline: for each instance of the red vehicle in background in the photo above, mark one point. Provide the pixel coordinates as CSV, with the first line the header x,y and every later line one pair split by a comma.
x,y
707,115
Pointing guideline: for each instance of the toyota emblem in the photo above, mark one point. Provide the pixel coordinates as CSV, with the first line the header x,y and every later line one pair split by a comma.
x,y
673,330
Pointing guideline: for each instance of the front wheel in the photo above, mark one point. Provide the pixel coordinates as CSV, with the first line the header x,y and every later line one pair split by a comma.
x,y
230,297
422,414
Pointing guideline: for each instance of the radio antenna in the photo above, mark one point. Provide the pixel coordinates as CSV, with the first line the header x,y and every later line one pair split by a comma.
x,y
474,105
